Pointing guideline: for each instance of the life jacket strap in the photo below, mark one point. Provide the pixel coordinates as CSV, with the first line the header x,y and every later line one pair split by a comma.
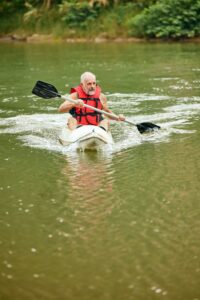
x,y
79,113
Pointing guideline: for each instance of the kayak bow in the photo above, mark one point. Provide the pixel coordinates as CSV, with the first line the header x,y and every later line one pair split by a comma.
x,y
86,137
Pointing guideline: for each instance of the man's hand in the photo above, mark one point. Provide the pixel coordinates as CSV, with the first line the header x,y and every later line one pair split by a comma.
x,y
79,103
121,118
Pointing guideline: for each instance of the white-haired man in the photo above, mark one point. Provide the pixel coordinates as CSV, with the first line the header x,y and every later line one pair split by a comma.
x,y
87,92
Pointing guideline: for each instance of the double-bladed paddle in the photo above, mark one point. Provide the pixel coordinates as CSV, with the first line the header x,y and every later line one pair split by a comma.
x,y
47,91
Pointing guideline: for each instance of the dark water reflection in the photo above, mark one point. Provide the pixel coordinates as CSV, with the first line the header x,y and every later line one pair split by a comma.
x,y
119,224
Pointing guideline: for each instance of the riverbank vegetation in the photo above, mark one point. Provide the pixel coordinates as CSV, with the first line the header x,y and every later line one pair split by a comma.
x,y
109,19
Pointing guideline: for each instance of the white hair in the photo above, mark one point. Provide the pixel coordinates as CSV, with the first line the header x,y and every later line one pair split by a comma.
x,y
87,76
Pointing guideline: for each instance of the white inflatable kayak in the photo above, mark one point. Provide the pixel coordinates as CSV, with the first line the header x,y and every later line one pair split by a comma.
x,y
86,137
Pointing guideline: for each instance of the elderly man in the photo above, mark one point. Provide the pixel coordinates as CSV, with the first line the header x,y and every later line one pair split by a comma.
x,y
87,92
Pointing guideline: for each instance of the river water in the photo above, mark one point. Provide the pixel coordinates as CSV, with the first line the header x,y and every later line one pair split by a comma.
x,y
122,223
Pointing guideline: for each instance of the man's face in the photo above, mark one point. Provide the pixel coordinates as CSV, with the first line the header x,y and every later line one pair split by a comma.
x,y
89,86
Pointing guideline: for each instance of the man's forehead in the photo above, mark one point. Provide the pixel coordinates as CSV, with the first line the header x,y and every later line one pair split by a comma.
x,y
90,79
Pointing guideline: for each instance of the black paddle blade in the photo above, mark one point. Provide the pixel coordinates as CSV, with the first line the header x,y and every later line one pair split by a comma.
x,y
45,90
147,127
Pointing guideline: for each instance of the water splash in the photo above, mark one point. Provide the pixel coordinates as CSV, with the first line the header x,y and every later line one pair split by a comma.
x,y
42,130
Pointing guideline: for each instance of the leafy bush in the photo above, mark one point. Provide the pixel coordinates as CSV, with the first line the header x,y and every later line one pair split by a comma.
x,y
168,19
106,18
9,7
79,14
124,12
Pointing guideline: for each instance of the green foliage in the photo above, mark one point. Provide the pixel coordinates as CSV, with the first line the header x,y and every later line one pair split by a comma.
x,y
168,19
35,20
9,7
104,18
123,12
112,22
137,3
79,14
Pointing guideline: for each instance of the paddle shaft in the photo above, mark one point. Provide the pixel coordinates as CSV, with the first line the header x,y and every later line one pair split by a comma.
x,y
47,91
96,109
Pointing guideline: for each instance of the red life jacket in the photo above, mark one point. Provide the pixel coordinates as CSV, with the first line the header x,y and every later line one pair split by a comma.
x,y
87,116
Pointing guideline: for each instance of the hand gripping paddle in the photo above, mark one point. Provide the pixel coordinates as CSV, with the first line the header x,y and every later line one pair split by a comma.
x,y
48,91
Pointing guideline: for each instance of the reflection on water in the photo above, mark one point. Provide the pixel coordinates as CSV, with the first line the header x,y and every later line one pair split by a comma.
x,y
83,166
90,180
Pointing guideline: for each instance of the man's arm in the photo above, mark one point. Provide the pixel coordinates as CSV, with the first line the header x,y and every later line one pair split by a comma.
x,y
105,107
105,103
66,106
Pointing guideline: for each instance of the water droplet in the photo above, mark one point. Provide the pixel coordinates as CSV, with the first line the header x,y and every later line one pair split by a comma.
x,y
91,287
131,286
164,293
66,234
9,266
61,220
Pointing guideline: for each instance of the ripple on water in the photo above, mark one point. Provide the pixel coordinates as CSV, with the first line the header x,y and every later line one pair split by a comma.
x,y
41,130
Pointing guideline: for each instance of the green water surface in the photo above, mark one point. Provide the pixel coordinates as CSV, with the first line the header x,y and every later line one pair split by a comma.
x,y
120,224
